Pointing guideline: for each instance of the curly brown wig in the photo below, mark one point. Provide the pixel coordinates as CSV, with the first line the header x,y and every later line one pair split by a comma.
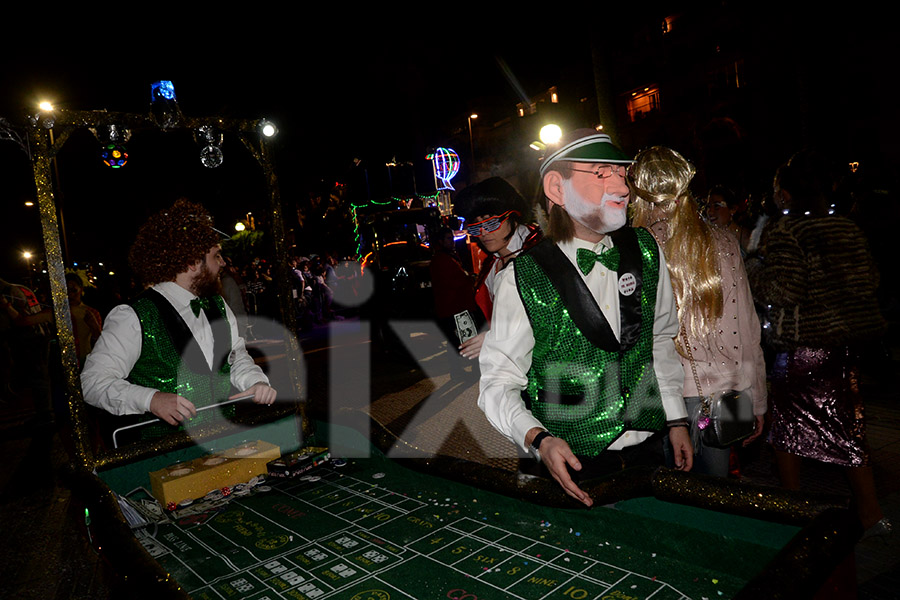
x,y
170,241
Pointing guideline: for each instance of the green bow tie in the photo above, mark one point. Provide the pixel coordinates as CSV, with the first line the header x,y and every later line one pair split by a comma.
x,y
587,259
199,303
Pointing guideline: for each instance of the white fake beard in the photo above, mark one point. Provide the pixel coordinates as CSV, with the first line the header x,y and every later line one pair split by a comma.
x,y
598,218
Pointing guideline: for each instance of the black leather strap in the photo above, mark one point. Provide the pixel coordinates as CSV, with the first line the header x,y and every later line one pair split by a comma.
x,y
575,295
629,306
578,300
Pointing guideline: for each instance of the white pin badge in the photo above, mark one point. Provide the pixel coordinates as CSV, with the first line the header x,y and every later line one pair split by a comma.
x,y
627,284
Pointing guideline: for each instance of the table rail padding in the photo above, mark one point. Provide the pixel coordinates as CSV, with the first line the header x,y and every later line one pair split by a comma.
x,y
144,576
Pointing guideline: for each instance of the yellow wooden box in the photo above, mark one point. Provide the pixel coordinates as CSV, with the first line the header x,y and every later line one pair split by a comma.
x,y
194,479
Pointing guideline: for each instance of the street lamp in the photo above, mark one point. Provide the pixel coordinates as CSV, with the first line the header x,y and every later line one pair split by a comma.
x,y
550,134
471,140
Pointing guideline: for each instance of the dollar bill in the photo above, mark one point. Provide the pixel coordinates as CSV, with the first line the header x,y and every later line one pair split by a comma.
x,y
465,326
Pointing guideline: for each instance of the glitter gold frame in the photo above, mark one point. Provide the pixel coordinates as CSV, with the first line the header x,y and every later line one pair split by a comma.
x,y
46,134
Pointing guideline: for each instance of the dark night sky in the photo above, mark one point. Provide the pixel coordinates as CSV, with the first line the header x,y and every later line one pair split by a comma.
x,y
336,93
338,85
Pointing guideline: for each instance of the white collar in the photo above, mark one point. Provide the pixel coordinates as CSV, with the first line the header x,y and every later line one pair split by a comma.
x,y
570,248
175,293
517,240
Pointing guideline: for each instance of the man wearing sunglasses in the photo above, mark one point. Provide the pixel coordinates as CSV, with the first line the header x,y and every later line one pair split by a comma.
x,y
579,367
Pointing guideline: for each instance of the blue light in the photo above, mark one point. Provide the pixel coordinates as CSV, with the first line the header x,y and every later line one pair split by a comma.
x,y
162,89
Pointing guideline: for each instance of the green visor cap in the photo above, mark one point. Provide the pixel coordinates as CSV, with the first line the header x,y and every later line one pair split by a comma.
x,y
592,149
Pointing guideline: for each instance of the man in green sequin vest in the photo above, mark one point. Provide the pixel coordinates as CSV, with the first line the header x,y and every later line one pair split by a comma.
x,y
580,368
176,347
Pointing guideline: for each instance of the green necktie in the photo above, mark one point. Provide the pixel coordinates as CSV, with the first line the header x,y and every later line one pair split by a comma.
x,y
198,304
586,259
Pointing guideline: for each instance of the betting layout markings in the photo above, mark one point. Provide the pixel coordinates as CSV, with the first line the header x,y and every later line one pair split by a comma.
x,y
369,493
336,570
541,566
531,560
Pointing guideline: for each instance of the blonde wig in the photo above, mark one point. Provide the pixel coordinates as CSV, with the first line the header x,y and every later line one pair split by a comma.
x,y
662,202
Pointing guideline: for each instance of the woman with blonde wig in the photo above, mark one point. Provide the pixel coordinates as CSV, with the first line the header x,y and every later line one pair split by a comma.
x,y
715,306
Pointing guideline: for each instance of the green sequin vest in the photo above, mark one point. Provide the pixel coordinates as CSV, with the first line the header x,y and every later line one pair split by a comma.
x,y
171,360
580,392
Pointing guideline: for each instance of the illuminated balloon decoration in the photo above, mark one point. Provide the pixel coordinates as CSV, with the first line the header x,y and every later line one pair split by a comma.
x,y
446,165
114,155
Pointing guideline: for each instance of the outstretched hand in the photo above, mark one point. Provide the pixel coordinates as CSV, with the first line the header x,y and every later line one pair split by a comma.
x,y
171,408
556,454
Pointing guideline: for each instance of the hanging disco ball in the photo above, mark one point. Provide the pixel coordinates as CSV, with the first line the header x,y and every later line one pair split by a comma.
x,y
114,155
211,156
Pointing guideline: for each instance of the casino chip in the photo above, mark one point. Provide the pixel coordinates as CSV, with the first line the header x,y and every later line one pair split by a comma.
x,y
377,475
185,502
314,478
264,488
339,462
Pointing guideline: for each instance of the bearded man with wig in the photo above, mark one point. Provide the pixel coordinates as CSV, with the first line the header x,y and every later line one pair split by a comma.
x,y
579,368
176,347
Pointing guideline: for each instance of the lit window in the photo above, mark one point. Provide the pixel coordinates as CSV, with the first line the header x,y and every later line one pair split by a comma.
x,y
643,102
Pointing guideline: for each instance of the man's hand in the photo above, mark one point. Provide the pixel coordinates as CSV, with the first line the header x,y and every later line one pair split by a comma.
x,y
556,454
758,429
682,448
171,408
471,348
262,394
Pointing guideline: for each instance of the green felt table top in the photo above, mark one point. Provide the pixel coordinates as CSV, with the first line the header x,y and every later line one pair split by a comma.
x,y
374,527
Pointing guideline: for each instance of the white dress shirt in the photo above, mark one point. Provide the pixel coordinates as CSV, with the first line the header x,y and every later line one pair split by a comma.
x,y
119,347
506,354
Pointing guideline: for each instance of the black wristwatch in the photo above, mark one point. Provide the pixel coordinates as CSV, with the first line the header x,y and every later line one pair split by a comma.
x,y
536,442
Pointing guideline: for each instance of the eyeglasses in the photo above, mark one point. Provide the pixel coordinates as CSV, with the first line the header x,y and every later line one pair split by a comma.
x,y
489,225
605,171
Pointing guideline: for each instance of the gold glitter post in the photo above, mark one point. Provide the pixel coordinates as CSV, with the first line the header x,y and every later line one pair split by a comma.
x,y
43,149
